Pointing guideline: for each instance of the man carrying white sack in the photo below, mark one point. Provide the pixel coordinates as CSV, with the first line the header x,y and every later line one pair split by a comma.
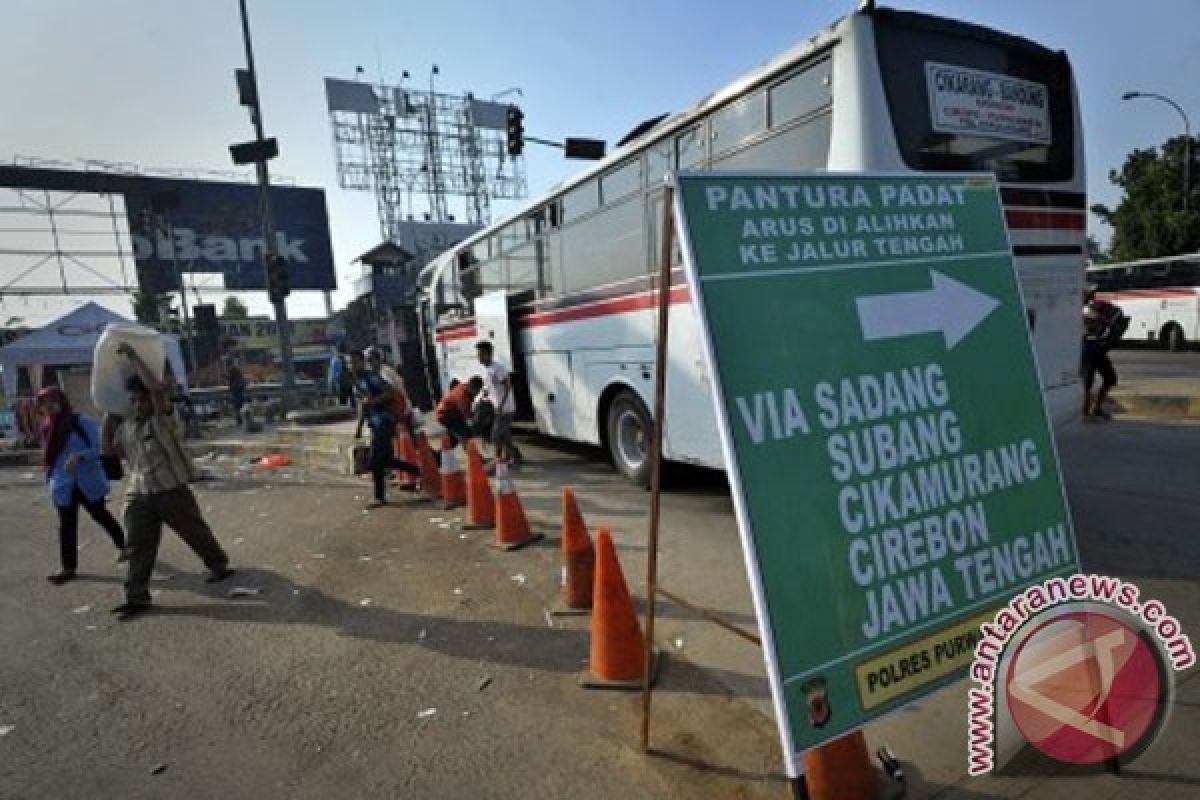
x,y
151,442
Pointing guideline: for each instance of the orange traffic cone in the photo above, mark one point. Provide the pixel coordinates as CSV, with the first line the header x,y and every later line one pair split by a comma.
x,y
840,770
481,506
618,656
406,451
579,559
512,529
454,481
431,478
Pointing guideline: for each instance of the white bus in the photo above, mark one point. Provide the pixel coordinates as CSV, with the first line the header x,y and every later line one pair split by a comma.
x,y
565,288
1160,295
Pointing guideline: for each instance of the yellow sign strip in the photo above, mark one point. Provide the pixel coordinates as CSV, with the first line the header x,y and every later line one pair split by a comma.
x,y
917,664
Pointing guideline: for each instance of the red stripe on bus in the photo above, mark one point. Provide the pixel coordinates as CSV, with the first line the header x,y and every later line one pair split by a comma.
x,y
1146,294
458,332
624,305
1046,220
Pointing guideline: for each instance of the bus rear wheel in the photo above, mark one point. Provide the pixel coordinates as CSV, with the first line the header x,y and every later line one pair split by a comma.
x,y
629,430
1173,338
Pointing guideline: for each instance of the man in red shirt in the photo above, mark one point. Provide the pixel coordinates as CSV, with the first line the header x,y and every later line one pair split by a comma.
x,y
454,411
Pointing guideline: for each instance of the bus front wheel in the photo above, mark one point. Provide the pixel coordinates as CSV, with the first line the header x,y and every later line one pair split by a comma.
x,y
1173,338
629,432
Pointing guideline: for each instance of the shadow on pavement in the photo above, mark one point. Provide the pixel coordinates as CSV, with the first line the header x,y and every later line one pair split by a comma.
x,y
708,767
564,650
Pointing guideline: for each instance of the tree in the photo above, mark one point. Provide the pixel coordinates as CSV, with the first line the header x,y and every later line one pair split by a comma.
x,y
147,306
358,322
1150,222
234,309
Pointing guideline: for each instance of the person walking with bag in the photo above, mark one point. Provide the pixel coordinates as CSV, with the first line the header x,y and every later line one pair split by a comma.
x,y
151,442
75,477
375,396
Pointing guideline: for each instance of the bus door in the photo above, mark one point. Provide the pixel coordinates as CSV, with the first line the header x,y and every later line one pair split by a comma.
x,y
426,328
493,322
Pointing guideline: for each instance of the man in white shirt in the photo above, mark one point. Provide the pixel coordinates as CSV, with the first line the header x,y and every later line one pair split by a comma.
x,y
498,382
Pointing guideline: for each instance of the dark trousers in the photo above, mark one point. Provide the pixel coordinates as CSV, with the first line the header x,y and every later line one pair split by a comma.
x,y
68,528
457,426
237,396
144,518
1096,360
383,458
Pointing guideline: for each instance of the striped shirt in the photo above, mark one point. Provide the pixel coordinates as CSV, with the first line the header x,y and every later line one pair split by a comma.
x,y
154,454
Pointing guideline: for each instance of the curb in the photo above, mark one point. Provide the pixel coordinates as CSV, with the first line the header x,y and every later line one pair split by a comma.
x,y
1161,406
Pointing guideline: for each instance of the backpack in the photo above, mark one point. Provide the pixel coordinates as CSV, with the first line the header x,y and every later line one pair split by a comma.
x,y
110,464
1117,329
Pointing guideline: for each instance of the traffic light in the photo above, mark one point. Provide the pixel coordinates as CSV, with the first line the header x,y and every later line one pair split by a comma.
x,y
515,130
277,278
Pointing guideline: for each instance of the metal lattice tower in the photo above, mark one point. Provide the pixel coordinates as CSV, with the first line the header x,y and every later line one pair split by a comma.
x,y
400,142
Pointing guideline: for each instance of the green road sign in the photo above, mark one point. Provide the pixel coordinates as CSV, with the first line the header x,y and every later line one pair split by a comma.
x,y
893,469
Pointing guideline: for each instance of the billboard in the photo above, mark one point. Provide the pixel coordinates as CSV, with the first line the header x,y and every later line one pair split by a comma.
x,y
262,333
215,227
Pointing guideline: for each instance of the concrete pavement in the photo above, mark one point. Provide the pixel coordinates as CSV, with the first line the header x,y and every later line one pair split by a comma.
x,y
1157,384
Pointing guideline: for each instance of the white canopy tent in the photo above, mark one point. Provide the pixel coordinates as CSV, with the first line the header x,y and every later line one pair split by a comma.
x,y
70,341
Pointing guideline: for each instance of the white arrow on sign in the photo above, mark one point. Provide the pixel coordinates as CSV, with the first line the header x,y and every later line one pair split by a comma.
x,y
950,307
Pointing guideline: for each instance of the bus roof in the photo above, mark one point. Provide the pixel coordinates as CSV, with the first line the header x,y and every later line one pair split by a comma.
x,y
810,46
818,42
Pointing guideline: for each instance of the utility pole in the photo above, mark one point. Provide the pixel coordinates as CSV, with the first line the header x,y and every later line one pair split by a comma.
x,y
269,243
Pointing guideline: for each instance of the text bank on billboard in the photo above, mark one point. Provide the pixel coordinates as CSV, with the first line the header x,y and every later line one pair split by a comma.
x,y
217,228
893,469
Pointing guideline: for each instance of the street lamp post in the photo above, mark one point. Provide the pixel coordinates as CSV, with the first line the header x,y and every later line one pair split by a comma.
x,y
1187,138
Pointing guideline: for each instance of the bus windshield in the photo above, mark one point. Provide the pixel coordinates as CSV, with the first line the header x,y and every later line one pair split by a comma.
x,y
966,98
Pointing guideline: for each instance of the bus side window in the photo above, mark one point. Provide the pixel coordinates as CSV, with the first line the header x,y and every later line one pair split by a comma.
x,y
739,121
605,248
492,275
690,147
581,200
468,277
658,163
621,181
803,93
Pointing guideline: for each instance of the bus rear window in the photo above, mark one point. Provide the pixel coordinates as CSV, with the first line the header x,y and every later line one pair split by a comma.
x,y
966,98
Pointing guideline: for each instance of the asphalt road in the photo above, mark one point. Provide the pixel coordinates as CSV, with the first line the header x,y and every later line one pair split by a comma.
x,y
357,671
383,656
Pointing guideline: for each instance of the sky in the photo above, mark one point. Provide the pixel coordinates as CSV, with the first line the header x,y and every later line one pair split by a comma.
x,y
150,82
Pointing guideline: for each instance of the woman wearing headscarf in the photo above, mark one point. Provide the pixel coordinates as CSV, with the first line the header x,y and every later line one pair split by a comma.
x,y
75,477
